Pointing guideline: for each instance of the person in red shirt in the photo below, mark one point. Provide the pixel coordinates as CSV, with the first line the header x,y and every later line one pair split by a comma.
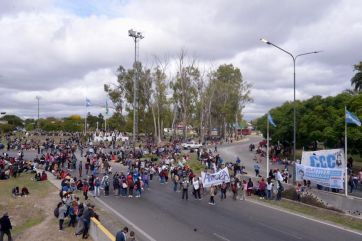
x,y
262,187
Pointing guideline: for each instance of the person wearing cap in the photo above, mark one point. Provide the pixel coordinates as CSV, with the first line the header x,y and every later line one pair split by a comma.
x,y
5,227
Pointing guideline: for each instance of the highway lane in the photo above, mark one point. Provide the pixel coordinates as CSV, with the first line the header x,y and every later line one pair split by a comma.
x,y
162,214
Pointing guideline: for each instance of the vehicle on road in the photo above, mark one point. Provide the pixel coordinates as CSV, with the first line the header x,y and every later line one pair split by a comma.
x,y
191,145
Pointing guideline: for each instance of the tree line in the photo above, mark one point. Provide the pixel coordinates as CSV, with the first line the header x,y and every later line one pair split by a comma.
x,y
185,95
320,121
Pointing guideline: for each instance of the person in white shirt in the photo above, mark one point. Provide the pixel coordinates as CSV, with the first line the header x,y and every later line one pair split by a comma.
x,y
196,186
269,189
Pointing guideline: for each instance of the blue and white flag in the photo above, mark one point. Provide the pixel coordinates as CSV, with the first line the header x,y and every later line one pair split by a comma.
x,y
87,102
352,119
270,119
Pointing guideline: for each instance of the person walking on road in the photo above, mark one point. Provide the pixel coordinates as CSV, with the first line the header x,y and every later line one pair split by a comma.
x,y
250,187
223,190
122,235
196,186
5,227
185,189
80,169
212,195
244,188
97,185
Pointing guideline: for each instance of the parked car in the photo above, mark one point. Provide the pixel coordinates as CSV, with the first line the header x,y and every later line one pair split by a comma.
x,y
191,145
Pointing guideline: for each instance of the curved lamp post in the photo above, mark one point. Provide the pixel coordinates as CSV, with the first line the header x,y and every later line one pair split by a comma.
x,y
294,57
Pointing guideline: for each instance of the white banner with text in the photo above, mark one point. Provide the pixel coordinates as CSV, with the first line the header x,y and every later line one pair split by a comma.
x,y
327,177
216,178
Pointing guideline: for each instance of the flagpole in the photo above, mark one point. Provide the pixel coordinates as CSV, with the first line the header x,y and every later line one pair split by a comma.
x,y
267,146
105,124
345,152
85,120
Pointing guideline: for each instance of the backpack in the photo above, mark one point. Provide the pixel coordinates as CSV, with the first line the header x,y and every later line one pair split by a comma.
x,y
185,185
56,212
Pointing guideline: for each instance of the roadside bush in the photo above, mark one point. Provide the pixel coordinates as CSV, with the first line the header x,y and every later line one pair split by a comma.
x,y
307,198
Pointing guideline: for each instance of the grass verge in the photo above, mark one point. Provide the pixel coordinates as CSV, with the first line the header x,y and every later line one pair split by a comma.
x,y
318,213
195,165
24,212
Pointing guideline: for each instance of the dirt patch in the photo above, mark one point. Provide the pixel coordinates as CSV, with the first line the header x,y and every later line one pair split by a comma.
x,y
48,229
32,216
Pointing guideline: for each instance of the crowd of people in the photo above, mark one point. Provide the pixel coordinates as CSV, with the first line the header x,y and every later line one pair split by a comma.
x,y
85,170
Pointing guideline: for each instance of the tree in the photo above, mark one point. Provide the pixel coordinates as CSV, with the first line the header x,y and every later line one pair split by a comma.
x,y
184,90
230,92
356,80
13,120
122,95
318,119
159,103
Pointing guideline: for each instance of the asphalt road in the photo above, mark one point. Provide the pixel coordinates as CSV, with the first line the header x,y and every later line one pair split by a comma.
x,y
162,214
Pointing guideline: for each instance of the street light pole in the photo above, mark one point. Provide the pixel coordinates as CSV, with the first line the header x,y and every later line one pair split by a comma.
x,y
136,37
38,124
294,103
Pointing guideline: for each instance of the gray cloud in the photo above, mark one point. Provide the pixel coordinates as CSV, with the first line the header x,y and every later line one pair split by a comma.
x,y
64,51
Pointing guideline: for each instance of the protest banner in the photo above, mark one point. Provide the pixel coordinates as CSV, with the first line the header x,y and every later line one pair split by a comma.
x,y
333,158
327,177
217,178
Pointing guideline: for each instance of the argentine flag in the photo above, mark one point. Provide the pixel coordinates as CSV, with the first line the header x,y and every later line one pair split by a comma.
x,y
352,119
87,102
270,119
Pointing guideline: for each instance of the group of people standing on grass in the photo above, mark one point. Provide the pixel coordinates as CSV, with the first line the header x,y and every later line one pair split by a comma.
x,y
72,209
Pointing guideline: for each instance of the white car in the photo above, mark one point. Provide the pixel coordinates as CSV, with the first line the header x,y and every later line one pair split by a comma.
x,y
191,145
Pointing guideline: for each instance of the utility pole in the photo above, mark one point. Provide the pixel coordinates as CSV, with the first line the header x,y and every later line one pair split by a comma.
x,y
136,37
38,124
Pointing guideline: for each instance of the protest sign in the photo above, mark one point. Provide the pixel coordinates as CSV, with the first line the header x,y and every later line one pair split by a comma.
x,y
217,178
327,177
333,158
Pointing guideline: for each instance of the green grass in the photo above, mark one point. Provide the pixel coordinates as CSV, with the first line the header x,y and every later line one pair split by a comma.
x,y
195,165
39,189
318,213
24,212
30,222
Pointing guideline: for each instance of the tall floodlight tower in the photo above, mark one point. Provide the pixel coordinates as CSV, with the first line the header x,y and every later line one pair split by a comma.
x,y
137,36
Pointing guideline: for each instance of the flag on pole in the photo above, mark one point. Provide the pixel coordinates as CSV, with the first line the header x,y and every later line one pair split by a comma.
x,y
87,102
352,119
107,110
270,119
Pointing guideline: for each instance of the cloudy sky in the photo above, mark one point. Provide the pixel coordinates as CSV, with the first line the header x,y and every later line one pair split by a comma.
x,y
65,50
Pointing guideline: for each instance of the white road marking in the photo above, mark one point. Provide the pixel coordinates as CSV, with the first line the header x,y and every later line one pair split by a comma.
x,y
280,231
221,237
130,223
305,217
